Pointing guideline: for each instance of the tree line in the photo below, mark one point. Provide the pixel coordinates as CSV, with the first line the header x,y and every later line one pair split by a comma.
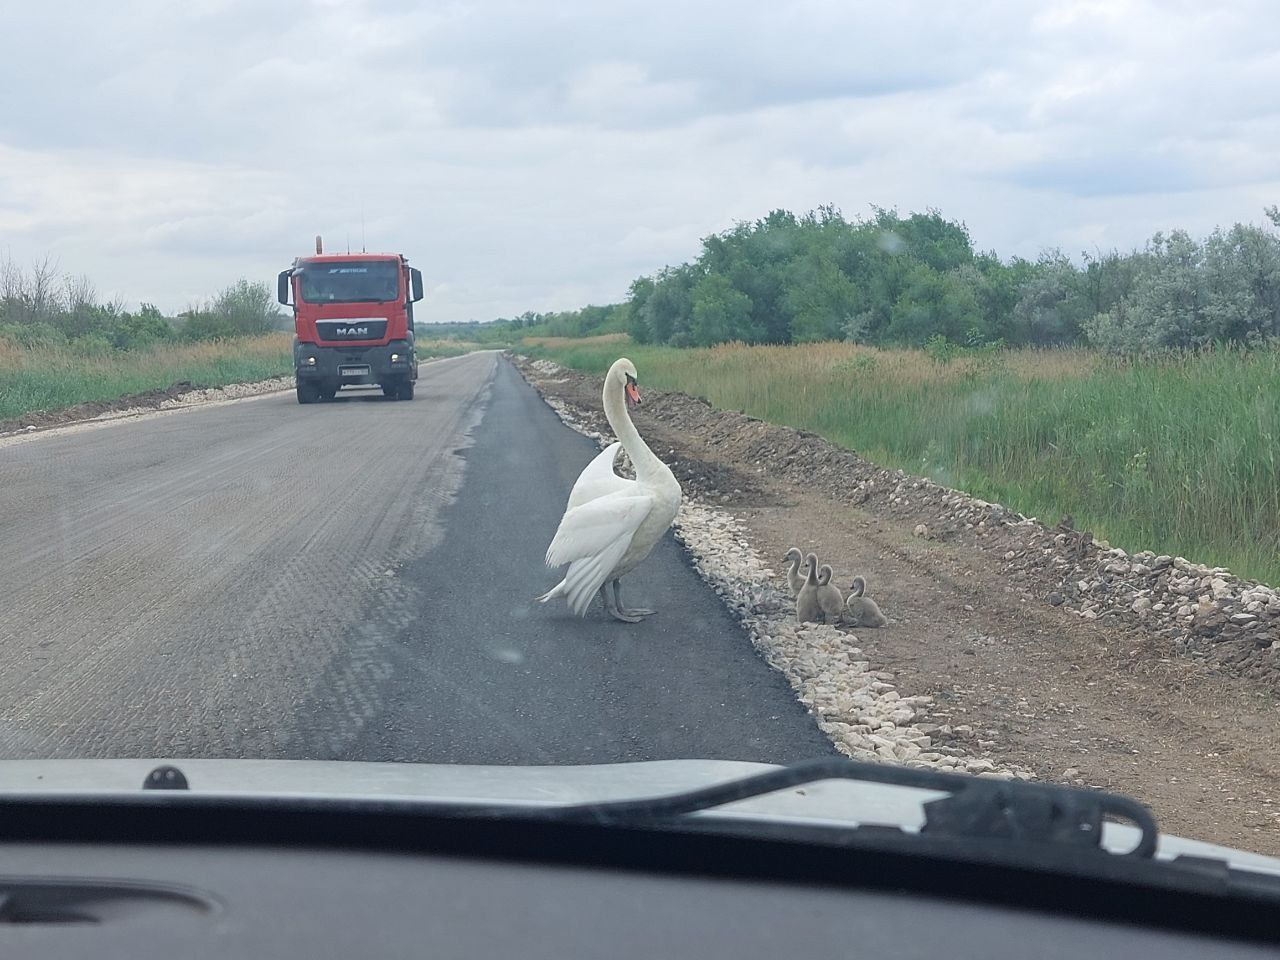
x,y
42,305
587,321
894,280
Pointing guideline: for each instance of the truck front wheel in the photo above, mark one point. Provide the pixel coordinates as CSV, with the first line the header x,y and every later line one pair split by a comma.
x,y
308,392
398,389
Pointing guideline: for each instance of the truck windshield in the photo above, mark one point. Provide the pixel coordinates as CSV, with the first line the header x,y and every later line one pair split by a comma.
x,y
354,281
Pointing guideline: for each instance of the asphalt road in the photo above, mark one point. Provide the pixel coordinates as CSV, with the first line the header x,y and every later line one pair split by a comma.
x,y
350,580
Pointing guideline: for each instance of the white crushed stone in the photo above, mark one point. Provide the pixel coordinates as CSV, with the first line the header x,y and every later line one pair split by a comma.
x,y
232,391
856,705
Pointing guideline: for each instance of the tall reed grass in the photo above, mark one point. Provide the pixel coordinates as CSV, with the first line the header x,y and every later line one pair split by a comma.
x,y
50,377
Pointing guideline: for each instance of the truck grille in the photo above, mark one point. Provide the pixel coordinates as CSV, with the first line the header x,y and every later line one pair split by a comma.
x,y
332,330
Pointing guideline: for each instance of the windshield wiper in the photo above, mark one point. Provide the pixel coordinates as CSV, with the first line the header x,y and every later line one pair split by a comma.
x,y
976,808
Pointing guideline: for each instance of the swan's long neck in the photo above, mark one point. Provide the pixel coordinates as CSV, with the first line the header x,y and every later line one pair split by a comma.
x,y
812,576
615,410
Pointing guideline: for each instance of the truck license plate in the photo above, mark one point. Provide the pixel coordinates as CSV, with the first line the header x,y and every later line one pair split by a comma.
x,y
353,371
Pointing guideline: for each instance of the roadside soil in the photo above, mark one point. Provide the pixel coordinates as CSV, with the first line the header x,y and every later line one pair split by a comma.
x,y
1016,675
149,399
183,393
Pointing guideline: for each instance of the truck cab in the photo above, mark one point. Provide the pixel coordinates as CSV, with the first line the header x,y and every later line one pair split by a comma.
x,y
353,322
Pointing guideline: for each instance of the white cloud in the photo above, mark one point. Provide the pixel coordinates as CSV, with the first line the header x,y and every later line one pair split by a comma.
x,y
534,157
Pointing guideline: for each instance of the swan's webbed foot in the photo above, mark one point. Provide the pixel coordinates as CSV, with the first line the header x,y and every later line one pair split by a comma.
x,y
611,605
632,614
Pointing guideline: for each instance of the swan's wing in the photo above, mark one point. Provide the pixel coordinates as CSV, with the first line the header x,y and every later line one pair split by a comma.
x,y
593,527
585,577
598,478
592,539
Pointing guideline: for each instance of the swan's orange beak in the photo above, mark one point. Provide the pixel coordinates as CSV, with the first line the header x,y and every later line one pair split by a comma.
x,y
633,395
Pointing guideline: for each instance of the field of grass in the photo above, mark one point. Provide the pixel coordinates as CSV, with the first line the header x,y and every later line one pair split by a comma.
x,y
58,376
1177,455
561,343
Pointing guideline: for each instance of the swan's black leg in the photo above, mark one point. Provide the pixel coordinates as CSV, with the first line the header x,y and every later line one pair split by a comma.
x,y
637,612
608,593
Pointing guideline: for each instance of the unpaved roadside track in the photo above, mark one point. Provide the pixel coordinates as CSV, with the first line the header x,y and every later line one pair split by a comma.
x,y
1012,677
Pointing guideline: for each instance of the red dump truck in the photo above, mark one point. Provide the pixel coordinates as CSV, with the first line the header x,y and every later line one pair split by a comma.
x,y
353,322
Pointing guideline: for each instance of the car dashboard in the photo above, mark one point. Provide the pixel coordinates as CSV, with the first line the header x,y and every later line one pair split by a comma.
x,y
191,877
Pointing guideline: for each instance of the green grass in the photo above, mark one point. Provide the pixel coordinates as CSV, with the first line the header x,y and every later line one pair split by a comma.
x,y
1176,455
52,377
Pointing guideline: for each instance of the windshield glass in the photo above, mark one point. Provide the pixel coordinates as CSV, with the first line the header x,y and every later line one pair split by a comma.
x,y
761,382
363,281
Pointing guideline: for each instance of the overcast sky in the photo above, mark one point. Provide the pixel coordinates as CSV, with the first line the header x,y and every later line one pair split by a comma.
x,y
540,156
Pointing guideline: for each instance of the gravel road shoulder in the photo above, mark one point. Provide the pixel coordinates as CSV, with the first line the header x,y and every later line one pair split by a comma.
x,y
993,661
173,397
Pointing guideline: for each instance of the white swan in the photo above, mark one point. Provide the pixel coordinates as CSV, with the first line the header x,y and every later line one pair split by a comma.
x,y
611,523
